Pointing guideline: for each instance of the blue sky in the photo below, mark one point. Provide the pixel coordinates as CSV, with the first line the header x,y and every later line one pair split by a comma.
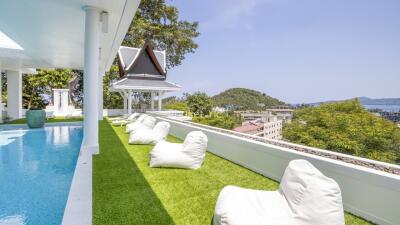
x,y
294,50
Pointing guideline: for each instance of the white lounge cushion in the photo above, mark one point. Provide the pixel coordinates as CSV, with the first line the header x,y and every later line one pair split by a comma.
x,y
239,206
128,119
312,197
124,116
305,197
150,136
189,155
148,122
139,119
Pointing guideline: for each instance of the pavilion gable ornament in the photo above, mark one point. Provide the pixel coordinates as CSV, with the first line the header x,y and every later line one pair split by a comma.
x,y
142,70
142,63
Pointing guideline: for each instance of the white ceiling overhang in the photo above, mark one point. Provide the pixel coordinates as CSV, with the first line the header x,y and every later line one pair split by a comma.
x,y
50,33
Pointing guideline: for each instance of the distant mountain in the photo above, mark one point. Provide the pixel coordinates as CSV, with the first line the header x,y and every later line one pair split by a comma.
x,y
244,99
369,101
379,101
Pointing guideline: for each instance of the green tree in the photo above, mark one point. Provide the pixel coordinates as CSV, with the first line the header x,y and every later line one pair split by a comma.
x,y
38,88
244,99
4,86
199,104
226,120
158,22
345,127
178,105
111,100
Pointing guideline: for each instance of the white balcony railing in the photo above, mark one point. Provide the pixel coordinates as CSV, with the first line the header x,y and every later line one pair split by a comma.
x,y
369,193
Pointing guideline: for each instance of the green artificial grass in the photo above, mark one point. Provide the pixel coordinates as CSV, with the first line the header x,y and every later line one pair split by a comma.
x,y
127,191
48,120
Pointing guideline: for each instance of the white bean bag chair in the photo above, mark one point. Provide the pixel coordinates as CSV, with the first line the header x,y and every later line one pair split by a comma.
x,y
124,116
305,197
129,119
140,118
189,155
148,122
150,136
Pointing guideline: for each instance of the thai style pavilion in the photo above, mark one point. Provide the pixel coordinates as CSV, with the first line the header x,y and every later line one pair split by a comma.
x,y
142,70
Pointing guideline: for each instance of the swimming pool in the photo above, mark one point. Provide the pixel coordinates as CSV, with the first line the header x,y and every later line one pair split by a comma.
x,y
36,170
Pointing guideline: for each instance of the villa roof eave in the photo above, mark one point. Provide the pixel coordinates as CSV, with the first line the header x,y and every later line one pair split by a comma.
x,y
142,89
144,85
63,31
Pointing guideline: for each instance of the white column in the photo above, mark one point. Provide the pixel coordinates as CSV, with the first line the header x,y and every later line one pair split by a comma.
x,y
91,80
152,100
125,104
101,95
129,103
57,102
160,93
64,102
1,98
14,94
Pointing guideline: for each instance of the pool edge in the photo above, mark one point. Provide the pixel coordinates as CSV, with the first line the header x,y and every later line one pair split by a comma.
x,y
52,124
78,209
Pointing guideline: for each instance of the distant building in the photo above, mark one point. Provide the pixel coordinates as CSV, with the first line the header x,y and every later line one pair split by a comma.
x,y
282,114
219,109
264,124
392,116
250,115
252,128
273,128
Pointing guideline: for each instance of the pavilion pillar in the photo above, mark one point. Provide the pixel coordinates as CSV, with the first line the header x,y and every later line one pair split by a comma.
x,y
14,94
125,104
91,80
129,103
160,94
152,100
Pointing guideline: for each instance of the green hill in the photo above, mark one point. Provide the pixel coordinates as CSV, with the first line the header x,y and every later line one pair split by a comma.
x,y
244,99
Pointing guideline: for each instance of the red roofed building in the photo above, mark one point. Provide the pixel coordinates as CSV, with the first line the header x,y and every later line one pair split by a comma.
x,y
250,128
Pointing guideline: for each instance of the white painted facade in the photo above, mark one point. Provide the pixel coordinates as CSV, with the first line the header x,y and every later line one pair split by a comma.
x,y
219,109
61,105
273,128
82,34
14,94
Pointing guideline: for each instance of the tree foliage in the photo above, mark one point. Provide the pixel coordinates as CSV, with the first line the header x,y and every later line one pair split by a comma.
x,y
178,105
227,120
199,104
3,86
37,88
158,22
111,100
244,99
345,127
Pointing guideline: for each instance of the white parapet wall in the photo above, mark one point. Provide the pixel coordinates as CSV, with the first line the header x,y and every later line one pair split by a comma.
x,y
368,193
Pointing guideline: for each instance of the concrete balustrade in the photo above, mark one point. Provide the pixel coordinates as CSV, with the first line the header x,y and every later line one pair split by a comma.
x,y
368,193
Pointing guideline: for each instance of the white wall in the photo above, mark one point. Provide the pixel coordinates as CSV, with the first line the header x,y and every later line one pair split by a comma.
x,y
368,193
14,94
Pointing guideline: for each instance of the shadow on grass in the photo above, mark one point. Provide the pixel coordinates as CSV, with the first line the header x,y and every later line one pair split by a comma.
x,y
125,187
121,194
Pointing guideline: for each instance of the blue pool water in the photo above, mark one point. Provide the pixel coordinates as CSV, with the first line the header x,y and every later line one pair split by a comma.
x,y
36,170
